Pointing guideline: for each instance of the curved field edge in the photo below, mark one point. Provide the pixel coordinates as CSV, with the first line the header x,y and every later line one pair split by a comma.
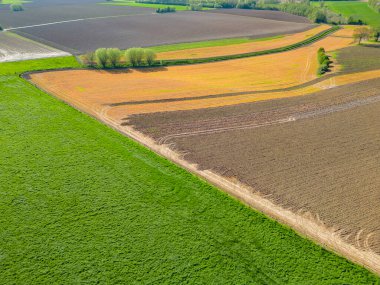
x,y
84,203
306,42
229,46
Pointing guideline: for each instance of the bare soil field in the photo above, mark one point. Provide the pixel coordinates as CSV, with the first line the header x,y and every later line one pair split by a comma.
x,y
42,12
15,48
265,14
243,47
155,29
318,153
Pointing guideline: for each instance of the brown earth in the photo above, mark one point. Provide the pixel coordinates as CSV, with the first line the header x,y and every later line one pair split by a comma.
x,y
151,29
326,162
265,14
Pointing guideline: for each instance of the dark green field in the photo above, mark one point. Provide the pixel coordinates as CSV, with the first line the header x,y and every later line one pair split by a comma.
x,y
81,203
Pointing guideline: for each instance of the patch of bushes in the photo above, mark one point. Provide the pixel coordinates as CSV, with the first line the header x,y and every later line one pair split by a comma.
x,y
114,58
353,20
323,61
16,7
165,10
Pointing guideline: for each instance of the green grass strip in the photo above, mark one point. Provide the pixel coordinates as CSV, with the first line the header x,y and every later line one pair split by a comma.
x,y
210,43
83,204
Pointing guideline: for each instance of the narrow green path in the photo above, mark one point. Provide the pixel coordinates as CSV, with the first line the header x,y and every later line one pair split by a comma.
x,y
82,204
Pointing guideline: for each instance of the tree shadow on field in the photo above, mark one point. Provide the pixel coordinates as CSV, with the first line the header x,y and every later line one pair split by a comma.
x,y
151,69
117,71
136,69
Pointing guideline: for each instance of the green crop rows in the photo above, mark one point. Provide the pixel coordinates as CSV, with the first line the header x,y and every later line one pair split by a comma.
x,y
81,203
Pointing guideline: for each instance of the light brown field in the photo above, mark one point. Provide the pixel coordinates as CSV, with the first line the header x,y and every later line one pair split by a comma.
x,y
101,88
242,48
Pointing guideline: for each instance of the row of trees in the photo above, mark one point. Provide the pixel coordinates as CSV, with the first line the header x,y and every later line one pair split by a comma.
x,y
323,61
113,57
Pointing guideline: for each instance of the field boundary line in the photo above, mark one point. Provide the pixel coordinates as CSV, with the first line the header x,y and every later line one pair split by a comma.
x,y
304,224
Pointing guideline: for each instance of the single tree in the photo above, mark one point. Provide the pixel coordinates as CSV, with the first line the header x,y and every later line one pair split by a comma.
x,y
150,56
361,33
101,57
131,56
88,59
375,33
114,55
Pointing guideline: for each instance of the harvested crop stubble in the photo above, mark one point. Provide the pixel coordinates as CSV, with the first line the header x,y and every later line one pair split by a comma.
x,y
96,103
326,164
242,48
101,88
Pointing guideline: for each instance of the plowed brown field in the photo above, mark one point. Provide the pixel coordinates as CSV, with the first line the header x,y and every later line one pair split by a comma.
x,y
318,153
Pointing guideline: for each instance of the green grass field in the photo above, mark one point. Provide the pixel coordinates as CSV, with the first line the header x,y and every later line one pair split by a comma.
x,y
359,10
211,43
144,5
82,204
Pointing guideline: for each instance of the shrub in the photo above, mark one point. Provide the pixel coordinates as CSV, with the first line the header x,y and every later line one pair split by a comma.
x,y
135,56
150,56
165,10
1,28
101,57
88,59
114,55
16,7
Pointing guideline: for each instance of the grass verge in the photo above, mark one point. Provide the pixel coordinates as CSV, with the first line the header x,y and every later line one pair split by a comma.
x,y
81,203
211,43
250,54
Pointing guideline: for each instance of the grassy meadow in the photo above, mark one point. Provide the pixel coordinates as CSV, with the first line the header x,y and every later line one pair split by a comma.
x,y
357,9
81,203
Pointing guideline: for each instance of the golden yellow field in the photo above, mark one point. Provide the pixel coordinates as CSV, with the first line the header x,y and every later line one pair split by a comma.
x,y
182,87
242,48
